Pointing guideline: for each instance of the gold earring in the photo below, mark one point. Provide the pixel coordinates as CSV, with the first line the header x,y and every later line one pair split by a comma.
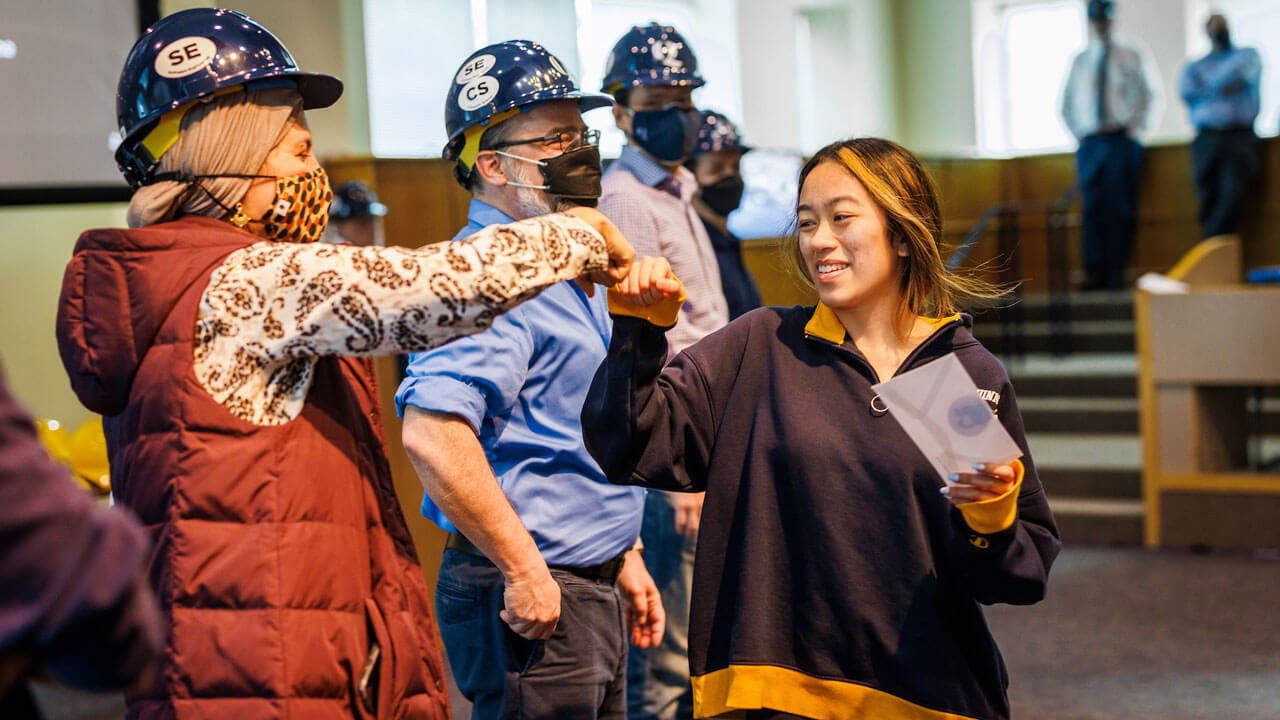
x,y
239,219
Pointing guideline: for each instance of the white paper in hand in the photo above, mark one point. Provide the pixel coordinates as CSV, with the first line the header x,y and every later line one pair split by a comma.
x,y
939,407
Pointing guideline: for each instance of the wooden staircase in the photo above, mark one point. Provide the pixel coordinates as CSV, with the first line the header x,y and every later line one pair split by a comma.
x,y
1080,412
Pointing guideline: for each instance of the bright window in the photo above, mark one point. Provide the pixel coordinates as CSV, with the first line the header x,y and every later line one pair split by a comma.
x,y
412,48
1022,52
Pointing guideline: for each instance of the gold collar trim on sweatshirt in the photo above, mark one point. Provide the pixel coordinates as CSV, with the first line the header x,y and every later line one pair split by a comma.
x,y
824,324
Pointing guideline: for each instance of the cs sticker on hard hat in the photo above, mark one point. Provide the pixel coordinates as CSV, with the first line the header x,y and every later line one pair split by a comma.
x,y
477,92
475,68
183,57
668,53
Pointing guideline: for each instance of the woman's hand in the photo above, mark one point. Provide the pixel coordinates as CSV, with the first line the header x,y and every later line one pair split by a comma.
x,y
649,282
989,482
619,250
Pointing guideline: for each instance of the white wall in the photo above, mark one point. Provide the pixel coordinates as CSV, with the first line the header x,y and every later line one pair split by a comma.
x,y
35,244
935,76
1162,26
906,71
853,84
324,36
936,70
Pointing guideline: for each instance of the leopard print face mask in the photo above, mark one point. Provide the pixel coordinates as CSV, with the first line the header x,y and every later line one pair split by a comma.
x,y
301,209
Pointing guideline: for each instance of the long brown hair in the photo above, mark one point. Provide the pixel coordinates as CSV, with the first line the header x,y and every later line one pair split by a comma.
x,y
899,185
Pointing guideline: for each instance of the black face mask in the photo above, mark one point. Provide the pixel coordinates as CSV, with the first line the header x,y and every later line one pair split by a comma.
x,y
572,176
724,195
1221,38
668,135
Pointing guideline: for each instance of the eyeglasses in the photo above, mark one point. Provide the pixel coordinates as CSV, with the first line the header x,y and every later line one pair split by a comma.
x,y
557,142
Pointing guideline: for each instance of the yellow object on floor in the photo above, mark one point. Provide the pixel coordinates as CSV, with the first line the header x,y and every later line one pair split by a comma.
x,y
88,456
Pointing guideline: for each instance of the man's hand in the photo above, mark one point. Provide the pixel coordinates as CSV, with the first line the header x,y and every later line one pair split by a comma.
x,y
646,620
649,282
620,251
989,482
532,604
688,509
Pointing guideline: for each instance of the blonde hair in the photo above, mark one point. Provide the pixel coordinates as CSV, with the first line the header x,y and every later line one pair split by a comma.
x,y
899,185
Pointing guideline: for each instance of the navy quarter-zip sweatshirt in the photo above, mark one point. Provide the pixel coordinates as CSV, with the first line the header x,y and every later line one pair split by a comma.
x,y
832,579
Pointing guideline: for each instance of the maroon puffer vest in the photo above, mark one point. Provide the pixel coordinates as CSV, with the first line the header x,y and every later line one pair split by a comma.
x,y
280,552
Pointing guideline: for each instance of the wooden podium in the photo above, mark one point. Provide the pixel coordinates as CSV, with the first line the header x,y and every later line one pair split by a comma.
x,y
1201,356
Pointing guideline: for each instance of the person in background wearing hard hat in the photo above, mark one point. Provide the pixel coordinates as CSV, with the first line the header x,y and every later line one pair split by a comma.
x,y
716,165
648,192
73,589
539,574
356,215
228,352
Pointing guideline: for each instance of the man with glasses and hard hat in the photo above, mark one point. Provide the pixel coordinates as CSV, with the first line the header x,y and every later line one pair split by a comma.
x,y
539,574
648,193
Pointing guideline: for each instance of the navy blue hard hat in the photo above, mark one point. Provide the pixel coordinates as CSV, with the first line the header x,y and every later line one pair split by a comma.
x,y
717,133
651,55
355,200
1101,10
499,78
194,54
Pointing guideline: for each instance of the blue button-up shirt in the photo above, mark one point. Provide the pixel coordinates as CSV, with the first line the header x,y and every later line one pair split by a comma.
x,y
1221,89
521,385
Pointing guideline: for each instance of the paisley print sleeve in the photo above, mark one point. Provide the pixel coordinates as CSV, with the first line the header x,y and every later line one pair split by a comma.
x,y
271,309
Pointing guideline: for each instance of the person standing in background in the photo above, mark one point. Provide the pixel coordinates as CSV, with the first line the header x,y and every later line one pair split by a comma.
x,y
716,165
648,193
1221,90
1111,97
356,215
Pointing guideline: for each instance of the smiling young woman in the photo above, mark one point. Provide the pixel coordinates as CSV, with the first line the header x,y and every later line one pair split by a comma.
x,y
837,576
887,181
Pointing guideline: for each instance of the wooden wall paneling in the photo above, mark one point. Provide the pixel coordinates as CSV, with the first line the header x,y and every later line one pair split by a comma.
x,y
966,187
425,204
1261,224
1037,180
1167,223
428,539
342,170
763,259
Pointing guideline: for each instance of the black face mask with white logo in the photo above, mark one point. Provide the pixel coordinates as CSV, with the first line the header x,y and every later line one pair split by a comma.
x,y
724,195
573,175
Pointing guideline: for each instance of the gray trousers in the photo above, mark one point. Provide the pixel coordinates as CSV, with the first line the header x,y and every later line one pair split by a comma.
x,y
577,674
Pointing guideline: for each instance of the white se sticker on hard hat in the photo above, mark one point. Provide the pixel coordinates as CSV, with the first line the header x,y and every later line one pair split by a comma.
x,y
475,68
181,58
477,92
